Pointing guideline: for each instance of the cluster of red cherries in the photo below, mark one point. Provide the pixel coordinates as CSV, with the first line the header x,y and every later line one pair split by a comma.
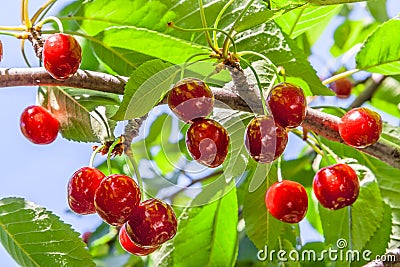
x,y
335,186
266,136
61,56
144,225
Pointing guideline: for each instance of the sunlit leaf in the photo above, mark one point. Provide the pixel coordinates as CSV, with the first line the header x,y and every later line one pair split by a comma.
x,y
36,237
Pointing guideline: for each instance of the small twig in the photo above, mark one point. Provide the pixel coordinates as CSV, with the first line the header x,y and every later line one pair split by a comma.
x,y
195,181
368,92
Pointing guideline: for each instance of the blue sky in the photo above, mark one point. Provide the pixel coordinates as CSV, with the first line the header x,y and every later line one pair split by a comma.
x,y
40,173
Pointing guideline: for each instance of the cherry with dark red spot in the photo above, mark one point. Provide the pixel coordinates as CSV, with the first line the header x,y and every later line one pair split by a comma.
x,y
287,201
62,55
288,104
81,189
116,198
152,223
265,140
207,142
342,87
360,127
38,125
130,246
336,186
191,98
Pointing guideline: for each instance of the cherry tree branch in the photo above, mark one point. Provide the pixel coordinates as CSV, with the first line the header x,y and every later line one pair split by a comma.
x,y
321,123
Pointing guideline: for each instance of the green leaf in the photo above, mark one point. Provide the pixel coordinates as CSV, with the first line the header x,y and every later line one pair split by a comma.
x,y
262,229
237,159
367,212
381,51
151,43
334,2
255,19
351,33
101,14
379,241
121,61
34,236
77,122
377,8
269,40
145,88
304,19
207,235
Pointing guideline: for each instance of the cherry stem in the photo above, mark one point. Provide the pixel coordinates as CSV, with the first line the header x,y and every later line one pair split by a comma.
x,y
13,34
274,67
326,150
187,62
24,54
12,28
279,169
94,155
133,165
340,76
40,24
299,134
226,41
173,26
263,102
204,23
217,20
24,15
110,150
41,10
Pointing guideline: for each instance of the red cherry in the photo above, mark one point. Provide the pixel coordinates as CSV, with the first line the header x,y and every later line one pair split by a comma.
x,y
62,55
130,246
81,188
288,104
116,197
207,142
287,201
360,127
152,223
264,139
336,186
38,125
342,87
190,98
86,236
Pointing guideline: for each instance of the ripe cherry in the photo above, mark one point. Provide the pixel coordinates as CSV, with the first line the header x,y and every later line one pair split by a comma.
x,y
81,188
62,55
152,223
288,104
116,197
86,236
360,127
130,246
336,186
264,139
190,98
287,201
342,87
207,142
38,125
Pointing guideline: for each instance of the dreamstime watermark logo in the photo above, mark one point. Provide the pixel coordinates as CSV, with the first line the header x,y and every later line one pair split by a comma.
x,y
341,252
